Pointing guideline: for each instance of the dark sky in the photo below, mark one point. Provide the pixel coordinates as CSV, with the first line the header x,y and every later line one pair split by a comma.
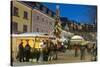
x,y
79,13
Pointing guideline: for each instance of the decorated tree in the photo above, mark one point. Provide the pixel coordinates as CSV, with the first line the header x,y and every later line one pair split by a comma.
x,y
57,26
57,29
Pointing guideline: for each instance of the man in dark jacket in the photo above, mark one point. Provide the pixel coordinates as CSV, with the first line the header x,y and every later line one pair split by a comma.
x,y
94,53
76,50
27,52
82,50
55,51
21,52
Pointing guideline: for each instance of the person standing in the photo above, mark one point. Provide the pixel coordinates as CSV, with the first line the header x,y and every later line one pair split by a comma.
x,y
94,53
21,52
76,50
27,52
38,55
45,51
51,51
55,51
41,56
82,50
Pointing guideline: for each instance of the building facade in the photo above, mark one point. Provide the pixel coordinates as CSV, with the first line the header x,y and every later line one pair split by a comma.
x,y
21,17
41,22
42,17
31,17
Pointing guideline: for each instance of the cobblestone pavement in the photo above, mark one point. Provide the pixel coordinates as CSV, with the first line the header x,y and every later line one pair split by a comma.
x,y
62,58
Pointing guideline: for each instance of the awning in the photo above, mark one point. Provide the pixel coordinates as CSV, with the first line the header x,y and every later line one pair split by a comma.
x,y
36,34
85,42
76,40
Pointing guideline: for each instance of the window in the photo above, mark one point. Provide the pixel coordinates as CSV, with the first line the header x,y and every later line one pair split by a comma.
x,y
44,9
50,13
15,11
41,7
14,27
37,17
47,10
42,30
25,15
38,5
37,29
24,28
42,19
47,21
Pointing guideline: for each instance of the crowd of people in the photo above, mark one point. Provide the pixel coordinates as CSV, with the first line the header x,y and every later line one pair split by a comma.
x,y
49,52
27,53
82,50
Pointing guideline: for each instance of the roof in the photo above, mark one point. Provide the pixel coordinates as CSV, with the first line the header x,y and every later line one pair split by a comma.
x,y
35,34
77,37
30,3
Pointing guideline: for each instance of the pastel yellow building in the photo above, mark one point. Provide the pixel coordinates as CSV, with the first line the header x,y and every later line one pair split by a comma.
x,y
21,17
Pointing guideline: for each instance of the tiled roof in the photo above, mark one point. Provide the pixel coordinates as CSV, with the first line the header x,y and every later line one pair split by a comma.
x,y
30,4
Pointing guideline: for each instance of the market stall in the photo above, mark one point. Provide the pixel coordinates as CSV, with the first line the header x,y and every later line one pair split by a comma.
x,y
76,40
35,40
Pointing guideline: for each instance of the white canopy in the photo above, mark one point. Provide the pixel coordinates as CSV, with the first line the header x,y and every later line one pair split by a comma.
x,y
76,40
36,34
77,37
85,42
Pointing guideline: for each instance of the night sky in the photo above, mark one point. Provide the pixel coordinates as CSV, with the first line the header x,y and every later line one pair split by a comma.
x,y
78,13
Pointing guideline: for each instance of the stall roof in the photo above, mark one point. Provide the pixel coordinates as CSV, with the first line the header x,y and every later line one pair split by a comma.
x,y
35,34
77,37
